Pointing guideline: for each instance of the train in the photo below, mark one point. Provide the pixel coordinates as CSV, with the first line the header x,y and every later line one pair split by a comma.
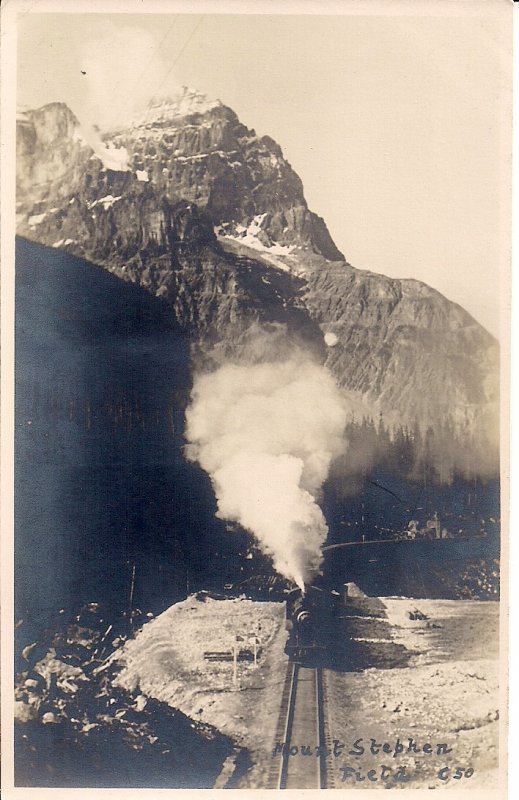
x,y
311,623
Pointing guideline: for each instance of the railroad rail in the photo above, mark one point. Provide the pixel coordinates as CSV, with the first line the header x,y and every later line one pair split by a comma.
x,y
303,726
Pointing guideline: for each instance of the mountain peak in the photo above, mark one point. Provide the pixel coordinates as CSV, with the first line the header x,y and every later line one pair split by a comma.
x,y
163,108
210,217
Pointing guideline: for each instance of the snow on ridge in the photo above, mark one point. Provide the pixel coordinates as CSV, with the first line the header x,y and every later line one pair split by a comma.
x,y
64,242
249,237
162,109
36,219
201,156
22,113
107,201
112,157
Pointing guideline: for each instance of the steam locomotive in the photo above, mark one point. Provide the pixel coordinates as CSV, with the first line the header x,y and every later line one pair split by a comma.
x,y
310,620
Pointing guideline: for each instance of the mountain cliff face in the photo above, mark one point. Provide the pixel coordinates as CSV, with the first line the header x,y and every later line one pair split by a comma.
x,y
190,204
51,154
403,347
185,149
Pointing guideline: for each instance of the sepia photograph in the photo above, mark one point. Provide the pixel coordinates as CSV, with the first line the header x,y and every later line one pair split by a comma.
x,y
256,290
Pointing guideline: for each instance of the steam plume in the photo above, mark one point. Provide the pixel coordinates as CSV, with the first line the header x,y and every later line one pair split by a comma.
x,y
266,434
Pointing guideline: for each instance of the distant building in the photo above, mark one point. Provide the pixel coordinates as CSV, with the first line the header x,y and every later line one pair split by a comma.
x,y
432,529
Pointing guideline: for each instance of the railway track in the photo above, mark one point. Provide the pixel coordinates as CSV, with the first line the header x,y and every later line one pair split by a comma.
x,y
302,730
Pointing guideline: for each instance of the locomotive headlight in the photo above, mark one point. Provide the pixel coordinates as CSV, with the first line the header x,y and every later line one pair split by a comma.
x,y
303,616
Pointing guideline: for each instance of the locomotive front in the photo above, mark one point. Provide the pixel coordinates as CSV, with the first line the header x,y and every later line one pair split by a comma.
x,y
309,620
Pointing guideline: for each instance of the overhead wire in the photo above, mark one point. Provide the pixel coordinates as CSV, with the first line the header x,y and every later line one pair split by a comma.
x,y
155,51
181,51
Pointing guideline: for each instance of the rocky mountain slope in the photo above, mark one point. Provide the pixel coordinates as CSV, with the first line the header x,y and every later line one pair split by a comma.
x,y
190,204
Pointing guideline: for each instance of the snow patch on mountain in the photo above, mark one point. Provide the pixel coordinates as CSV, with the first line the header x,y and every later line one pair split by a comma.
x,y
250,236
114,158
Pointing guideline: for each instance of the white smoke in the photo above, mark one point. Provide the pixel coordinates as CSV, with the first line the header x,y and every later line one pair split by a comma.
x,y
266,434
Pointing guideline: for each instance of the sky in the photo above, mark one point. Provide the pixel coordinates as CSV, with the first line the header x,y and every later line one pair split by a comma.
x,y
399,126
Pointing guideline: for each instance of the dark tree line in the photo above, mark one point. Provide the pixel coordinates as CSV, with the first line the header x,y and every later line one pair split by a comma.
x,y
435,456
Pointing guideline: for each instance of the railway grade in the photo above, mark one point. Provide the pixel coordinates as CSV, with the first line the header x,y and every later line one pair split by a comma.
x,y
304,755
302,732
